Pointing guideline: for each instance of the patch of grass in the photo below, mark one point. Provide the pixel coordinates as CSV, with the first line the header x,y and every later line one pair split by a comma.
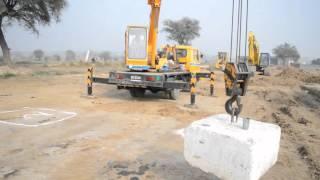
x,y
48,73
59,73
7,75
41,73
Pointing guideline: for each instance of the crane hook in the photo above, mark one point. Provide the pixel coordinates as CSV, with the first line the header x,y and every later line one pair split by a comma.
x,y
234,110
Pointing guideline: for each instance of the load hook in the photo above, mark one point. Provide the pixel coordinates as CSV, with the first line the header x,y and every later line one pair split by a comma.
x,y
234,110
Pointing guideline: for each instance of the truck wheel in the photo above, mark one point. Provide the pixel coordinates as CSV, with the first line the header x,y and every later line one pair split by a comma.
x,y
174,94
137,92
140,92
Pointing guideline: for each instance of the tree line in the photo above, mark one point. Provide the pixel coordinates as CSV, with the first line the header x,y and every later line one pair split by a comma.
x,y
71,55
40,55
316,61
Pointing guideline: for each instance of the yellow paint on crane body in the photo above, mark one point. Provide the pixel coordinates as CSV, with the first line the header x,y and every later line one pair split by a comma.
x,y
254,50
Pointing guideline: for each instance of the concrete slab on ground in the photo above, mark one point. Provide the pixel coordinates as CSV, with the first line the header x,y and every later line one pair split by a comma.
x,y
216,145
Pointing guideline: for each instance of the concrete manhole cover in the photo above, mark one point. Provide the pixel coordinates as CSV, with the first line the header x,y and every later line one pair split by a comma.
x,y
34,117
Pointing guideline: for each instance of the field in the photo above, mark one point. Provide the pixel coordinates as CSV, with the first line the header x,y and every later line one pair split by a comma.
x,y
50,129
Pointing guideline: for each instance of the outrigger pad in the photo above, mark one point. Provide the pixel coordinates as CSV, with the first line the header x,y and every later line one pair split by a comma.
x,y
230,152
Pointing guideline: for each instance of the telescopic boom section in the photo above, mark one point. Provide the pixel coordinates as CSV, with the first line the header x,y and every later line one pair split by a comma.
x,y
253,50
153,31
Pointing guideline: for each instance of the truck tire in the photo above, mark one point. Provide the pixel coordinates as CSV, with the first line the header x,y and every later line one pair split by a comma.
x,y
137,92
174,94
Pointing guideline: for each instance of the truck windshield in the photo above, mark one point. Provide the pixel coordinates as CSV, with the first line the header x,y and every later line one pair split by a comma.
x,y
137,43
181,53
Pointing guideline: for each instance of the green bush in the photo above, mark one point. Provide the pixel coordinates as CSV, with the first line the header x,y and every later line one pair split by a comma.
x,y
7,75
40,73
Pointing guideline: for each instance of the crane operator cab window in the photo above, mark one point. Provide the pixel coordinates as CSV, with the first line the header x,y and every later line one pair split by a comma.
x,y
137,43
181,53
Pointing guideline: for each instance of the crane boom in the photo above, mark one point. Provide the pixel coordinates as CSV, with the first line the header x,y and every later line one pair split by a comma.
x,y
260,60
254,50
153,31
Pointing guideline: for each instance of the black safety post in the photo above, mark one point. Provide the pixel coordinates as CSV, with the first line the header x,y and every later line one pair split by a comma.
x,y
193,88
89,80
212,81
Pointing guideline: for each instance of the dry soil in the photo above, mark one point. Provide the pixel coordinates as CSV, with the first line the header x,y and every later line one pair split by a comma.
x,y
115,136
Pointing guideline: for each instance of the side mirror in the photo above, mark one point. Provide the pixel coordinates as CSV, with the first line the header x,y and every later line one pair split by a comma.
x,y
201,56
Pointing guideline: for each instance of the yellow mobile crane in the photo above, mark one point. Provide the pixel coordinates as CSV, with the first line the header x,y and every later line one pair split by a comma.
x,y
260,60
146,70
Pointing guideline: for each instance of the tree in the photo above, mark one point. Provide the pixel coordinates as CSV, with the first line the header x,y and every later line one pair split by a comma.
x,y
106,55
56,57
286,53
70,55
28,13
38,54
182,31
316,61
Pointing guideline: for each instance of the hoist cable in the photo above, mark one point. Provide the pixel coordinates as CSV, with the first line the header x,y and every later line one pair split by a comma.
x,y
240,31
238,26
246,40
232,22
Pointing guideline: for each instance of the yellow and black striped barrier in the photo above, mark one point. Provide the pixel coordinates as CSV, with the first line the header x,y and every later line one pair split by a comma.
x,y
193,88
89,80
212,83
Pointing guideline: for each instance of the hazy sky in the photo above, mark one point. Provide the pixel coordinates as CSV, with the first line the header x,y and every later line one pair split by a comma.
x,y
100,25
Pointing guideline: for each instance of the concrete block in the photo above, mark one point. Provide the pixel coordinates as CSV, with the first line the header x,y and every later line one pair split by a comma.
x,y
228,151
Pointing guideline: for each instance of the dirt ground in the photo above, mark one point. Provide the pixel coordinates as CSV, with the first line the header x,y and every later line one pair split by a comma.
x,y
113,136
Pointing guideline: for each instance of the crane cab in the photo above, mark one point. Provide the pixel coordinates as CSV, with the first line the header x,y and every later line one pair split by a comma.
x,y
187,57
136,51
136,48
264,62
264,59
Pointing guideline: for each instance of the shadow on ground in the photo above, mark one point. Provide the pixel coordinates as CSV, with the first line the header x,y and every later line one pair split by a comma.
x,y
125,95
169,165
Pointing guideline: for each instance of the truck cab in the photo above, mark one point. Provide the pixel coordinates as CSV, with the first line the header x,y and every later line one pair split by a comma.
x,y
187,58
